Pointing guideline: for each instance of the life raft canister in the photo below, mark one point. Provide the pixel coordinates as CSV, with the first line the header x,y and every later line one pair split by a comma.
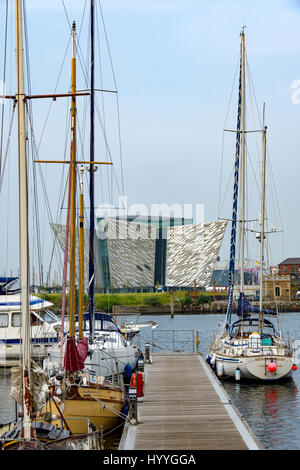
x,y
133,381
137,382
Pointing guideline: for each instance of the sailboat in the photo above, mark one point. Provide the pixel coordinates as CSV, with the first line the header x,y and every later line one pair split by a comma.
x,y
251,347
110,353
29,381
81,394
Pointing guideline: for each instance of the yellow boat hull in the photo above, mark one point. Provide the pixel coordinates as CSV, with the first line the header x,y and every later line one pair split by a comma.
x,y
101,407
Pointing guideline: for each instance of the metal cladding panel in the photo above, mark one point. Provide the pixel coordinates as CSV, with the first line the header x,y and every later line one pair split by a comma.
x,y
192,251
60,233
131,253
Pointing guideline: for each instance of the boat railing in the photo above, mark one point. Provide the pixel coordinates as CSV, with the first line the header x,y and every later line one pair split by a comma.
x,y
273,350
175,340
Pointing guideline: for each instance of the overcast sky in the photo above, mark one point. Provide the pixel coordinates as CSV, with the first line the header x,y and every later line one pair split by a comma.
x,y
174,63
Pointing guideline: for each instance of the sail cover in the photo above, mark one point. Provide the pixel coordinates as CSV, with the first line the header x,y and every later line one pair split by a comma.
x,y
244,308
235,205
75,354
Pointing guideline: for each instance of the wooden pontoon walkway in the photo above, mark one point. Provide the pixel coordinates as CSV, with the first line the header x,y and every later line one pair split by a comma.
x,y
185,408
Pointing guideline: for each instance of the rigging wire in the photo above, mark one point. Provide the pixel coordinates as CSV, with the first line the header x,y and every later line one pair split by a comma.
x,y
63,171
117,97
102,100
4,78
272,179
85,73
7,149
223,138
41,171
36,212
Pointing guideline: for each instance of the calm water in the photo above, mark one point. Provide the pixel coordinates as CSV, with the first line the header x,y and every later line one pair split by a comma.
x,y
272,411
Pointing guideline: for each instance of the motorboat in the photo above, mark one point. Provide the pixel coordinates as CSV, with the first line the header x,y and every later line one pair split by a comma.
x,y
44,324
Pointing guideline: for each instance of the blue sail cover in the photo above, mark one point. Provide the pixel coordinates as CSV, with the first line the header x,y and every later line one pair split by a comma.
x,y
235,205
244,308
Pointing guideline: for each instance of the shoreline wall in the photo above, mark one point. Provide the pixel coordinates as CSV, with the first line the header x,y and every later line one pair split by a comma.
x,y
212,308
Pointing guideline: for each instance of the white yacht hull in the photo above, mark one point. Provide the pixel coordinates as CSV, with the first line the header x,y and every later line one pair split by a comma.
x,y
102,361
252,368
10,350
113,361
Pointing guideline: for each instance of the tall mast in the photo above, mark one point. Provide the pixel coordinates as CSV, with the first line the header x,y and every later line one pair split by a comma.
x,y
231,270
81,256
65,270
243,152
92,159
73,188
23,223
262,222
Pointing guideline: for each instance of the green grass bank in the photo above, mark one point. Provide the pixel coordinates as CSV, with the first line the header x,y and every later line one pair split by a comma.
x,y
105,302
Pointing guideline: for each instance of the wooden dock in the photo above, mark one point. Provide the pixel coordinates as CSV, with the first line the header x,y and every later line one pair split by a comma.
x,y
185,408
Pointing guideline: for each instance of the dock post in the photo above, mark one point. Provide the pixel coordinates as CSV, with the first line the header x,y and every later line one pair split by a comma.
x,y
197,340
133,414
147,354
172,304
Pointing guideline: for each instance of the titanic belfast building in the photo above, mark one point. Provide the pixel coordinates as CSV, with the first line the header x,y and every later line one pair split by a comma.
x,y
141,252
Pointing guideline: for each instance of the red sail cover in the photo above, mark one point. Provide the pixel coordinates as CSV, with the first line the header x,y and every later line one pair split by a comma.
x,y
82,350
75,354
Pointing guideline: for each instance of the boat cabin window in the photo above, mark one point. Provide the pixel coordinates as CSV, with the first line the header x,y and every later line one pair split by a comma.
x,y
109,326
16,320
107,339
104,325
35,320
11,287
48,316
3,320
98,325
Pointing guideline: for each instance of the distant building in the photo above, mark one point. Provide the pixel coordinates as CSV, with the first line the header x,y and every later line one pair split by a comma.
x,y
291,267
142,253
277,287
220,275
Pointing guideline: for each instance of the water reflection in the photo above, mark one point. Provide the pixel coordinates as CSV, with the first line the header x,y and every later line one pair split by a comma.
x,y
270,410
7,404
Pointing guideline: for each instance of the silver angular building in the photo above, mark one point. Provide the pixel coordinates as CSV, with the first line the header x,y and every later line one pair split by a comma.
x,y
192,251
141,252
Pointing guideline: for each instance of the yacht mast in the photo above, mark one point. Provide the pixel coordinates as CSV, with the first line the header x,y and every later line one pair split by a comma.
x,y
262,223
231,270
243,152
81,257
23,224
73,188
92,158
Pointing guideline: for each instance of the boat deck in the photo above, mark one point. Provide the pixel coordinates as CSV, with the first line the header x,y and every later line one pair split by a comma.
x,y
185,408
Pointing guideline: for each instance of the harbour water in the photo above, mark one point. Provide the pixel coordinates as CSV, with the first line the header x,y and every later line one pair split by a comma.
x,y
271,410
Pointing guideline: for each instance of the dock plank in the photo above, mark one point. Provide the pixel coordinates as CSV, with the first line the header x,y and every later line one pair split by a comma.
x,y
185,408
